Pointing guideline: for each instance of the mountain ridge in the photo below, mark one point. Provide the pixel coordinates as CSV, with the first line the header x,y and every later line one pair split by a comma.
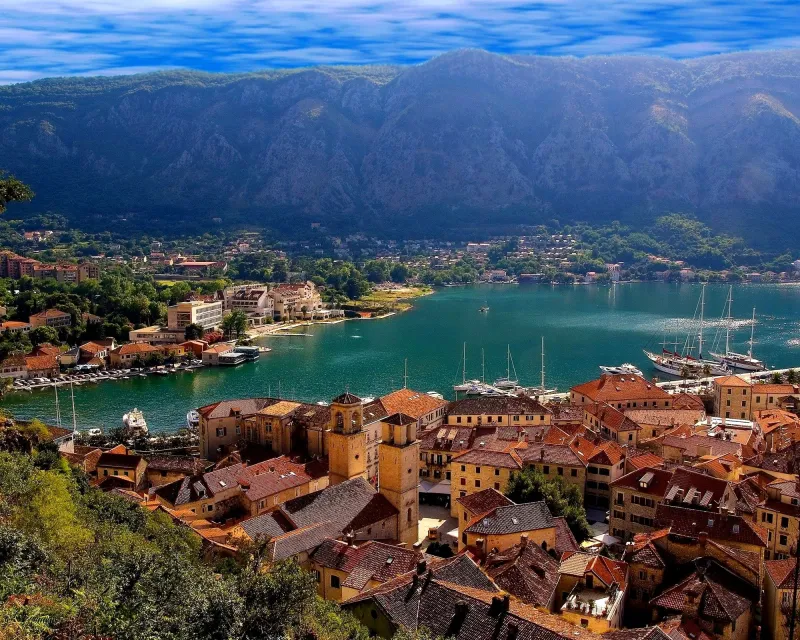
x,y
466,139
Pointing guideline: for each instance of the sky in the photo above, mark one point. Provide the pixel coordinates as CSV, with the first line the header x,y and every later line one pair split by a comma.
x,y
43,38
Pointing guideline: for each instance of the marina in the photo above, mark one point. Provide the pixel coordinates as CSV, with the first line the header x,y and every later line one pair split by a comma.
x,y
583,328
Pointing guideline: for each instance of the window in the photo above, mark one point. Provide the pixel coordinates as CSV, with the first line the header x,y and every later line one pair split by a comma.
x,y
334,582
221,432
447,475
592,470
461,494
630,436
561,471
458,419
766,517
497,486
620,498
105,472
497,472
604,472
317,575
464,538
477,484
619,515
782,540
784,523
744,404
116,472
573,473
463,467
758,398
546,470
477,469
463,481
584,622
589,581
643,575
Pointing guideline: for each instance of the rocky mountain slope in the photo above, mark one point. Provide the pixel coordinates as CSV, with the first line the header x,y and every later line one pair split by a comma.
x,y
469,138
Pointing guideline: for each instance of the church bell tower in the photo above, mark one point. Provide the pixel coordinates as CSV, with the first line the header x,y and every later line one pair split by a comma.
x,y
398,470
347,444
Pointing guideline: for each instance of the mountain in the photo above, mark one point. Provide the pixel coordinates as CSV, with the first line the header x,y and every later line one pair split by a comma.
x,y
467,140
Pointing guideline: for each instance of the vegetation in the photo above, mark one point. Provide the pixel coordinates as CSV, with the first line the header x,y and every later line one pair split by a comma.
x,y
12,190
562,498
79,563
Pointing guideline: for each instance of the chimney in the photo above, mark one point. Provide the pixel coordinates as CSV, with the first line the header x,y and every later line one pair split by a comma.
x,y
421,566
414,581
506,602
523,540
541,454
428,577
481,553
462,609
702,538
513,631
350,538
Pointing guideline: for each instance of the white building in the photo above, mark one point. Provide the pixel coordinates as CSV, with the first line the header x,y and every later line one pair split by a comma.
x,y
206,314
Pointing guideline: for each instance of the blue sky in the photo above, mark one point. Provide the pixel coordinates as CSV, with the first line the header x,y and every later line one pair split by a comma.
x,y
41,38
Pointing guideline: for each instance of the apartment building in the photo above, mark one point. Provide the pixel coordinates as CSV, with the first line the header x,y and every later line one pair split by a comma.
x,y
51,318
206,314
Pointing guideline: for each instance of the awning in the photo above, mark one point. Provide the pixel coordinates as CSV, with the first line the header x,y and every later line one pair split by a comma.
x,y
442,488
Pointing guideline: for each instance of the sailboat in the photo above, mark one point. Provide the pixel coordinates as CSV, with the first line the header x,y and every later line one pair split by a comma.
x,y
680,364
739,361
465,385
541,389
508,382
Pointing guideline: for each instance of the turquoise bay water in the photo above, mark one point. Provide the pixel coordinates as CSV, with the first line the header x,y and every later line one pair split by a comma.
x,y
583,327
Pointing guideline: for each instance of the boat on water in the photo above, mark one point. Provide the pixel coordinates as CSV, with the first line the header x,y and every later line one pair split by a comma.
x,y
135,424
434,394
465,384
684,364
542,389
734,360
622,369
193,419
94,432
508,382
484,308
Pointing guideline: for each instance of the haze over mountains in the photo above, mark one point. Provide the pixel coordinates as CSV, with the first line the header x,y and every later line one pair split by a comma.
x,y
469,139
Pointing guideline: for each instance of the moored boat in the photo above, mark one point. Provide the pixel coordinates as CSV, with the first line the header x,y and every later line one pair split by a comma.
x,y
135,424
623,369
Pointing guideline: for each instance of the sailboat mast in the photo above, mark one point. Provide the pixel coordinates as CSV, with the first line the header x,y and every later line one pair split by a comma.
x,y
58,409
74,417
702,311
464,365
728,325
483,368
508,362
405,375
543,387
752,331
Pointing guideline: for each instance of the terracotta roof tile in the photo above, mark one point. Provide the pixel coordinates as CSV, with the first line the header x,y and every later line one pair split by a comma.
x,y
482,502
620,388
412,403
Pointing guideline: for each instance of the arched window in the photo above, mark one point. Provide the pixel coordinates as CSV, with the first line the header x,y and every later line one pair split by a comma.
x,y
339,420
409,514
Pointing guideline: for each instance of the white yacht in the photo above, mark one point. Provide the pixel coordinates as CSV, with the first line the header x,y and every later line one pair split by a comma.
x,y
193,419
622,369
508,382
135,425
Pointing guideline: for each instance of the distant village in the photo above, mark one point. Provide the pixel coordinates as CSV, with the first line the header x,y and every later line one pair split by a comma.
x,y
401,506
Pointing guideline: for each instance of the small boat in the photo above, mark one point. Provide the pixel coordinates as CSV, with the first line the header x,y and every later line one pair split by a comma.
x,y
134,423
434,394
94,432
622,369
193,419
483,309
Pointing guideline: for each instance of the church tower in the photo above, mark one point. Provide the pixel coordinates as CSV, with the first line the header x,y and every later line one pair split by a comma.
x,y
398,470
347,443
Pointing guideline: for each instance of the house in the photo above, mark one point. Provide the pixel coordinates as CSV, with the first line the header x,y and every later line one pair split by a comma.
x,y
13,326
437,448
453,599
425,409
635,497
41,366
621,392
120,465
156,334
611,423
343,570
163,469
501,528
128,355
779,582
51,318
779,428
14,366
214,355
712,597
251,299
497,411
526,571
654,422
478,469
296,301
591,591
554,461
605,462
779,514
474,505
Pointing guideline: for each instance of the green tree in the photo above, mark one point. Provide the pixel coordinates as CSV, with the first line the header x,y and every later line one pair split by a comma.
x,y
193,331
43,334
562,498
399,273
13,190
234,324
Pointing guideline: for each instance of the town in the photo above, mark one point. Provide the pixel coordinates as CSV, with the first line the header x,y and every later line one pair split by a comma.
x,y
623,510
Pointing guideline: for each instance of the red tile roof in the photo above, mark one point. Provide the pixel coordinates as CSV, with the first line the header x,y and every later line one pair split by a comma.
x,y
620,388
781,572
412,403
611,418
641,460
482,502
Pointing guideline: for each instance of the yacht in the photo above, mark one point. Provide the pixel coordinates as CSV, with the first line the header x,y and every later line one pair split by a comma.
x,y
738,361
434,394
622,369
193,419
134,422
541,390
465,384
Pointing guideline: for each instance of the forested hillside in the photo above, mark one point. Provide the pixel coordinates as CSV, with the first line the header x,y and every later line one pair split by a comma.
x,y
467,140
